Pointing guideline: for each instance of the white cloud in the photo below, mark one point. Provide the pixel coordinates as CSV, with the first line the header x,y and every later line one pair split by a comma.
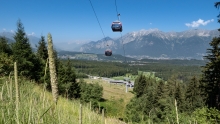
x,y
4,29
150,23
12,31
198,23
32,33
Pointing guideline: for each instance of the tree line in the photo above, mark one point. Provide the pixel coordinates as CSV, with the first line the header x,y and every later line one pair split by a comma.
x,y
112,69
34,66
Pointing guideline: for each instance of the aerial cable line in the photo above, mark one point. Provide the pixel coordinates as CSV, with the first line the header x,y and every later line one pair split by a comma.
x,y
117,11
98,21
120,32
123,47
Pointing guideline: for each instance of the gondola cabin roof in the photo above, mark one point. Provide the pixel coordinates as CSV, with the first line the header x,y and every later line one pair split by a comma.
x,y
116,22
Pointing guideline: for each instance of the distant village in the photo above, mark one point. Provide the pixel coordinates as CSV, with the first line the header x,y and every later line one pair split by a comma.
x,y
126,81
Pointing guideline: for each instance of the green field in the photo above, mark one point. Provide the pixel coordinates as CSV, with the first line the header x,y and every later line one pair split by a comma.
x,y
36,106
115,97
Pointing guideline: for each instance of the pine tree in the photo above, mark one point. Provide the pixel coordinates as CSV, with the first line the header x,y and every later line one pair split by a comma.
x,y
172,84
193,95
6,64
42,55
179,96
211,72
176,91
162,104
140,85
42,51
74,91
6,60
217,4
67,80
22,53
4,46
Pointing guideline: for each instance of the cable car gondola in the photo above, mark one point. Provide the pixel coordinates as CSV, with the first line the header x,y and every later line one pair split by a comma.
x,y
108,52
116,26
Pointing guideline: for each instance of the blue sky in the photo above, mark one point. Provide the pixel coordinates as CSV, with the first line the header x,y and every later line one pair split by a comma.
x,y
75,21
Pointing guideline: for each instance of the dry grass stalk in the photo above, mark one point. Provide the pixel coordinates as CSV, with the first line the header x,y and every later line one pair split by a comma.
x,y
45,73
103,116
17,92
80,114
1,98
53,74
177,118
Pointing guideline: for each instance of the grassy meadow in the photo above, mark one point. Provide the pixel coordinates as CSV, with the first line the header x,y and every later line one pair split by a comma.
x,y
115,97
36,106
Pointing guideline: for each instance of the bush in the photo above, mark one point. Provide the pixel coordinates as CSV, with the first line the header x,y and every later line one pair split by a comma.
x,y
207,115
90,92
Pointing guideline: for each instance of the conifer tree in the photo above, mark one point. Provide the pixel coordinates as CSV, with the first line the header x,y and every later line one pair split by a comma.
x,y
6,60
179,96
172,84
211,72
6,64
27,63
162,102
140,85
175,91
42,54
160,91
4,46
42,51
193,95
67,80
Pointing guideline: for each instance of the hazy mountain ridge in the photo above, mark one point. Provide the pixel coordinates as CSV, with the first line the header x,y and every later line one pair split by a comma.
x,y
151,43
154,43
32,39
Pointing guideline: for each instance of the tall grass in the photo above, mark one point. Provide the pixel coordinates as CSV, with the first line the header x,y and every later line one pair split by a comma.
x,y
36,106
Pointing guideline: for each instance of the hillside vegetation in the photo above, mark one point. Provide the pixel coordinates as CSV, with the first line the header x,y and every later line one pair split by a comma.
x,y
114,97
36,106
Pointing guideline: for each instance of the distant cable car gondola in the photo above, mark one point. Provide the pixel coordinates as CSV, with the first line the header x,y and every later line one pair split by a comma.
x,y
116,26
108,52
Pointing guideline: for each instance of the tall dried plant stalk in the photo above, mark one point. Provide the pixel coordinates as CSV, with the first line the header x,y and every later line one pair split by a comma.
x,y
177,118
1,96
80,114
17,92
45,73
103,117
53,74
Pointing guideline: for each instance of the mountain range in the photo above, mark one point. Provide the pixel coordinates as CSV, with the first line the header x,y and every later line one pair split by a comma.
x,y
33,39
153,43
10,37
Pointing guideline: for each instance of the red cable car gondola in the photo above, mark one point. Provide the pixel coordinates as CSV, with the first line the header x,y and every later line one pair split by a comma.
x,y
108,52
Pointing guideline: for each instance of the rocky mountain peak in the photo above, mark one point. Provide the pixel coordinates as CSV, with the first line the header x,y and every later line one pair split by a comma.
x,y
155,43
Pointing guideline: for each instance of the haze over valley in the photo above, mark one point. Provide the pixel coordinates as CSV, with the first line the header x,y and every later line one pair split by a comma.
x,y
152,43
